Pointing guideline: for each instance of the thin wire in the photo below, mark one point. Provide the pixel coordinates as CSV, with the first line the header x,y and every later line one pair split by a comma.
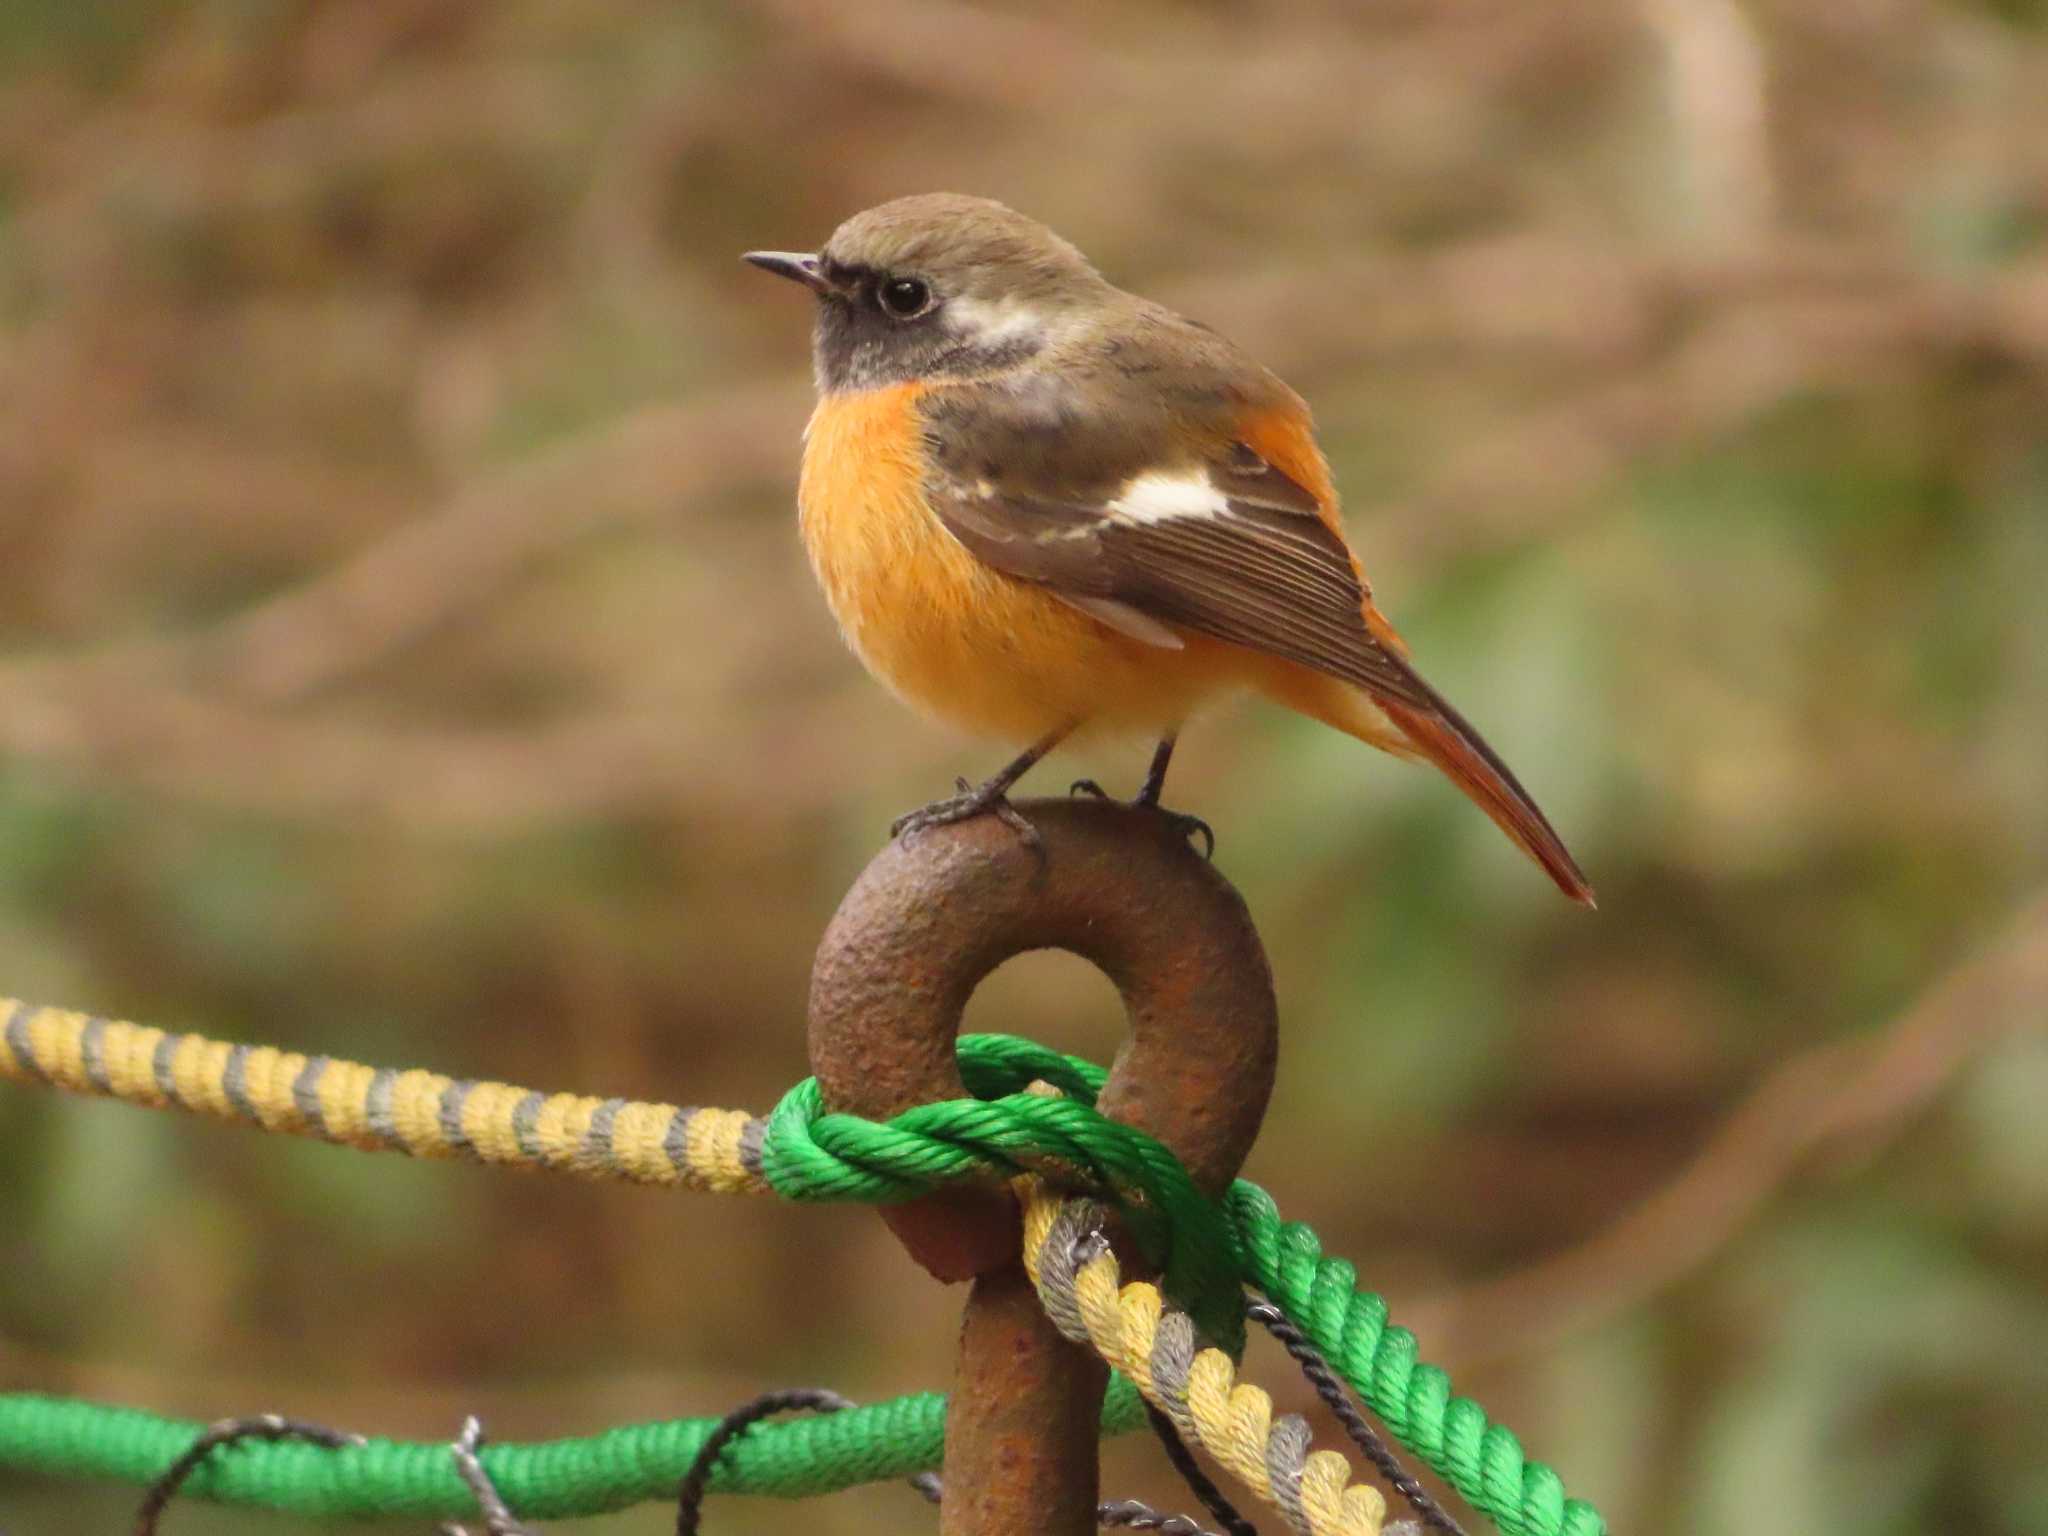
x,y
1088,1245
1204,1486
225,1432
498,1517
1130,1515
1111,1515
1338,1401
1119,1514
690,1492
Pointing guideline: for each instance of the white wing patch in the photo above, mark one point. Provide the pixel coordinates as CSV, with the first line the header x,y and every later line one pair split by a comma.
x,y
1157,497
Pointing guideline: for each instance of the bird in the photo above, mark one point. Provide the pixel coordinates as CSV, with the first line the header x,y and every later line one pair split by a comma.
x,y
1039,505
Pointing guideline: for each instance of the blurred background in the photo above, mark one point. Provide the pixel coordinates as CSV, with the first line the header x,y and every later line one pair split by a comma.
x,y
406,653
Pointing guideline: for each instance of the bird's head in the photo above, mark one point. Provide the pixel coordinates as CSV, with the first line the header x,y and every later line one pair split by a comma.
x,y
936,285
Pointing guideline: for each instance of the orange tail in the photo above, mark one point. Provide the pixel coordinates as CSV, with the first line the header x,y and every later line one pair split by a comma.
x,y
1439,733
1442,735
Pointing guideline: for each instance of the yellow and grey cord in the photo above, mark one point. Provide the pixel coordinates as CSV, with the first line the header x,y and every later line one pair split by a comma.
x,y
423,1114
1131,1327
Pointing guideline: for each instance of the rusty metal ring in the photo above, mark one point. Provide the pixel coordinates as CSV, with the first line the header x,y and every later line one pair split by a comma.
x,y
926,921
931,917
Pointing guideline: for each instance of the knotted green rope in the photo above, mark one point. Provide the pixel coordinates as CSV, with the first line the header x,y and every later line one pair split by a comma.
x,y
1208,1253
808,1154
812,1155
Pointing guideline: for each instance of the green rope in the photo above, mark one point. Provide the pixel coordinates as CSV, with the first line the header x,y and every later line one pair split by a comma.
x,y
1208,1251
808,1154
1320,1296
554,1479
811,1155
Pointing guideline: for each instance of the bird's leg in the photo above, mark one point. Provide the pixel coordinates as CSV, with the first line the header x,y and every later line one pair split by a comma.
x,y
1149,792
1155,783
990,795
1155,776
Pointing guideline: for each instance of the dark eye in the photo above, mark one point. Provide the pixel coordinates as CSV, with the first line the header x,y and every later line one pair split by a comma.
x,y
905,297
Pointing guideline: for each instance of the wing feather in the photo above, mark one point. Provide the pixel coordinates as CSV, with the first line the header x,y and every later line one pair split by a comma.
x,y
1232,546
1264,573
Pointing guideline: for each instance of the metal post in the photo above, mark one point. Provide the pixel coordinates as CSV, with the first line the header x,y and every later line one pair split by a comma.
x,y
925,922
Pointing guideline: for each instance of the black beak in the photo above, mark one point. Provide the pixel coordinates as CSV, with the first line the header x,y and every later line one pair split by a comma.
x,y
797,266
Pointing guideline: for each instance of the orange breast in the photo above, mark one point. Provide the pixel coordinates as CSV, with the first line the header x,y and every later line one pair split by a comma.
x,y
958,639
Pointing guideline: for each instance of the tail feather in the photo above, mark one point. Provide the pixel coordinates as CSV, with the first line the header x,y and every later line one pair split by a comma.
x,y
1420,722
1442,735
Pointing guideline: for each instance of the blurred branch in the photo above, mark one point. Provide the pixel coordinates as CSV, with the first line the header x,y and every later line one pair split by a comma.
x,y
1719,110
1715,346
1846,1098
982,55
1767,326
1179,80
433,572
141,733
1697,351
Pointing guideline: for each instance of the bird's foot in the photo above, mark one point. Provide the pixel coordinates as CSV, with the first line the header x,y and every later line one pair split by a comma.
x,y
1189,827
973,800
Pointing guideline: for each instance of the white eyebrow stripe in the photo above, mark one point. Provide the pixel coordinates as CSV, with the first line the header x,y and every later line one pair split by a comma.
x,y
986,322
1156,497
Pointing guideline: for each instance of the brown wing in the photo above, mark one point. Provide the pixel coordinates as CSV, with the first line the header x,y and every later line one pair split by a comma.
x,y
1230,548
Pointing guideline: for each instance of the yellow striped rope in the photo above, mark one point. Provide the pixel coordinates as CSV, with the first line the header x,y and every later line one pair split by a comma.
x,y
1132,1328
423,1114
714,1151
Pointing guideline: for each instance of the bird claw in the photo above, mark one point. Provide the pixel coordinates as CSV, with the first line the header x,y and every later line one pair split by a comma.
x,y
969,803
1015,820
1189,827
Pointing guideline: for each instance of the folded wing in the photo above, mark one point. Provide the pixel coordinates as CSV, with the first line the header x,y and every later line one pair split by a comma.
x,y
1230,547
1218,549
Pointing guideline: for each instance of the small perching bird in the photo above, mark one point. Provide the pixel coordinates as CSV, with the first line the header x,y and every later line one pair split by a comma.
x,y
1039,504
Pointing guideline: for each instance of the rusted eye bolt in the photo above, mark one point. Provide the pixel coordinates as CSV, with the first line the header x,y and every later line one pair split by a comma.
x,y
924,924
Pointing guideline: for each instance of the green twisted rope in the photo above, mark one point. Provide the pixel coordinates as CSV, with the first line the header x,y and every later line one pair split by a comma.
x,y
1208,1251
1320,1296
548,1480
808,1154
812,1155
